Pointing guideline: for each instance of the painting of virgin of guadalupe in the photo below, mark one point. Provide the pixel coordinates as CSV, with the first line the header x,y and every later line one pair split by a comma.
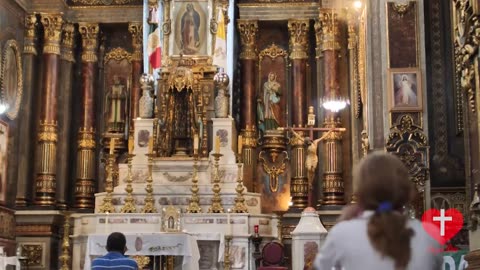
x,y
191,19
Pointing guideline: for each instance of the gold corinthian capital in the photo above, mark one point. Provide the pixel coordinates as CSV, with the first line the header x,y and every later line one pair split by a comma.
x,y
52,24
248,37
29,43
298,30
328,19
68,42
89,32
136,29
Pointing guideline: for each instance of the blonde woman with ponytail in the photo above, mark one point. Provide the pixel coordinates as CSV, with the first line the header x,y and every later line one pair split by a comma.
x,y
375,234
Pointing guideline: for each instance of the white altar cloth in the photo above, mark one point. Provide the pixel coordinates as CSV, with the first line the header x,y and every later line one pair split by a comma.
x,y
150,244
4,261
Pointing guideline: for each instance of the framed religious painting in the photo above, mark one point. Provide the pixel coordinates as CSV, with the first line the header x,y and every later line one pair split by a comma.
x,y
3,159
11,80
405,89
190,30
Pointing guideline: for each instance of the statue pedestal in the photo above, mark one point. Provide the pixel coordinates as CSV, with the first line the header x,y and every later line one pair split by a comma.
x,y
143,132
225,129
307,238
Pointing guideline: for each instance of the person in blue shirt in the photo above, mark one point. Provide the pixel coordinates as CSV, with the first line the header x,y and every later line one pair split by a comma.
x,y
115,258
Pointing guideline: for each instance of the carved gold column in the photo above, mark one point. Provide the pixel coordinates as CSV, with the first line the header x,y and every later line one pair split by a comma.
x,y
85,184
65,115
248,56
25,148
298,30
136,29
333,186
45,182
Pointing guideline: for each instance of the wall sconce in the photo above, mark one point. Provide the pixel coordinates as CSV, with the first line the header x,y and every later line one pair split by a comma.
x,y
274,156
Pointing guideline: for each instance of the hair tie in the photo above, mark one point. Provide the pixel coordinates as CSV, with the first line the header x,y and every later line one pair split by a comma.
x,y
384,207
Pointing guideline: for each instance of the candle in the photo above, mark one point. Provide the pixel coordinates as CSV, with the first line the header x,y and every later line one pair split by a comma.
x,y
229,228
130,145
240,144
112,145
195,144
150,145
217,144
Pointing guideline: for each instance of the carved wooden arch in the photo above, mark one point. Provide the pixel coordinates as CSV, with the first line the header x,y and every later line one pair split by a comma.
x,y
408,142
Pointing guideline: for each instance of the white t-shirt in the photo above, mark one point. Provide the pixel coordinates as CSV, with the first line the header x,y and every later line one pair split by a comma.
x,y
348,247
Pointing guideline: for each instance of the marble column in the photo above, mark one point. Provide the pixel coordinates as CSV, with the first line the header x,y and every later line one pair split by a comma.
x,y
85,183
333,185
298,30
248,56
67,61
45,182
25,149
136,29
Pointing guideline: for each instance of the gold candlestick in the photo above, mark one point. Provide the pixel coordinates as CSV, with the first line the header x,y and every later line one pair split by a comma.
x,y
107,206
226,258
240,206
149,200
216,206
194,206
129,206
65,258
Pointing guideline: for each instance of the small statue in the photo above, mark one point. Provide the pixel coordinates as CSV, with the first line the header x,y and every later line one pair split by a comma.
x,y
116,106
222,99
145,104
365,143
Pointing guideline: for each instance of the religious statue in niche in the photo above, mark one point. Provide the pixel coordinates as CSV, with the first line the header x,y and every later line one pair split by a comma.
x,y
116,109
190,27
268,107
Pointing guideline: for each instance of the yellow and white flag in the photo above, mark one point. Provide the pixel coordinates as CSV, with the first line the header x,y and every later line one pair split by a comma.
x,y
220,52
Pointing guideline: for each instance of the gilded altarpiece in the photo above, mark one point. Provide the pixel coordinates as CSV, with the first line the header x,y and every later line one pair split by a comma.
x,y
272,93
117,81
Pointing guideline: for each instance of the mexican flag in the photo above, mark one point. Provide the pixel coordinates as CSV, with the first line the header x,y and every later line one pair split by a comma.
x,y
220,52
155,39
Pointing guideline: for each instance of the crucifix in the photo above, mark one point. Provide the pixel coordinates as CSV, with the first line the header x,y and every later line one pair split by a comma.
x,y
311,161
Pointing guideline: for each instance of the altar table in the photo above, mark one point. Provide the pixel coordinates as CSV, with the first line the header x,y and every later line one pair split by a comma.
x,y
149,244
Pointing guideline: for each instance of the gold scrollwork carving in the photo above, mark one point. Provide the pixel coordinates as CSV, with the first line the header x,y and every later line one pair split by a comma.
x,y
52,24
248,36
118,54
136,29
86,139
11,46
274,169
249,137
329,24
29,42
401,9
89,32
466,42
48,132
142,261
317,26
105,2
298,30
407,141
33,253
273,51
68,42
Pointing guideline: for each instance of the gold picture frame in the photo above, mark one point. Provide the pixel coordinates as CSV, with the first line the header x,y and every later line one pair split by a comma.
x,y
405,91
171,219
11,78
